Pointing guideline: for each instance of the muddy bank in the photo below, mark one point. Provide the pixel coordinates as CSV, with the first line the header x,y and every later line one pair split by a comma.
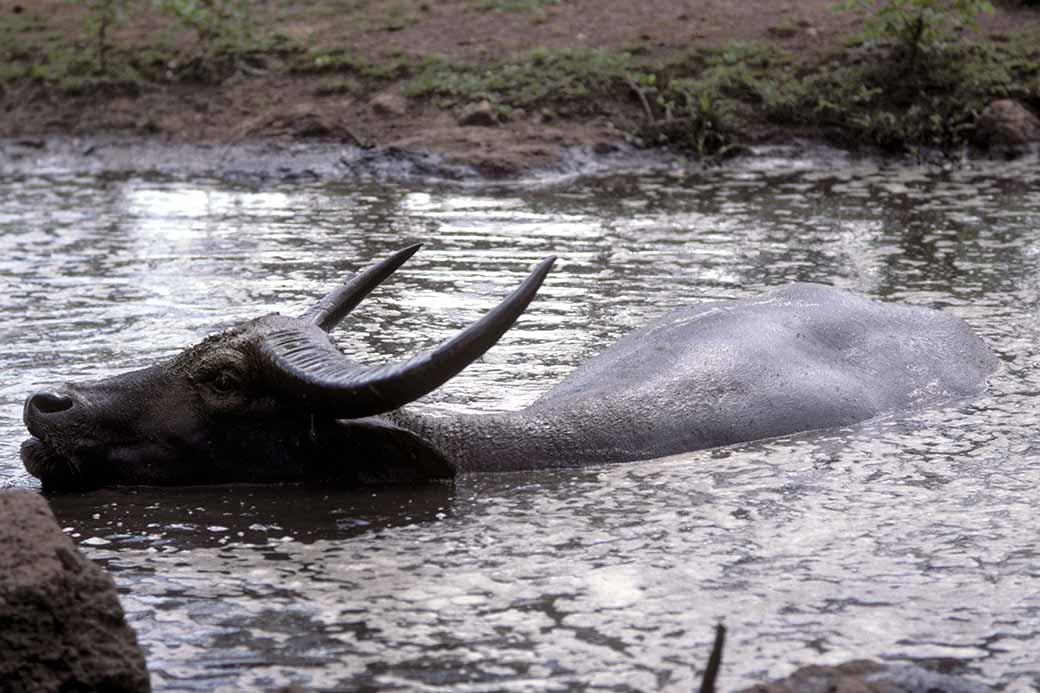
x,y
500,88
265,160
259,160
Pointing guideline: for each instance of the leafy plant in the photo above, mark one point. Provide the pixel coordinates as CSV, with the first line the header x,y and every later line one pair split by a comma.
x,y
703,131
213,21
697,116
102,17
916,26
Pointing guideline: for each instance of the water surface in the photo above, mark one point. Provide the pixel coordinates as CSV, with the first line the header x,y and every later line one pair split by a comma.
x,y
909,538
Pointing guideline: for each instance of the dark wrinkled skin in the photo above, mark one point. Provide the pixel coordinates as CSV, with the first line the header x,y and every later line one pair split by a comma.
x,y
794,359
208,416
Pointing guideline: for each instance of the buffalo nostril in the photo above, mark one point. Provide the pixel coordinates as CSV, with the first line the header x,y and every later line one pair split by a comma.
x,y
50,402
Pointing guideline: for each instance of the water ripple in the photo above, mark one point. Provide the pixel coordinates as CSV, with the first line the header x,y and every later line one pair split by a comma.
x,y
910,537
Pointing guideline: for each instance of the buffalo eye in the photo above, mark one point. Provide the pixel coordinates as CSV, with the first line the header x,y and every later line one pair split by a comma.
x,y
224,382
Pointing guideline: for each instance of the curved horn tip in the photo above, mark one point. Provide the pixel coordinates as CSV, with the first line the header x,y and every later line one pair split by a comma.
x,y
542,268
399,257
337,304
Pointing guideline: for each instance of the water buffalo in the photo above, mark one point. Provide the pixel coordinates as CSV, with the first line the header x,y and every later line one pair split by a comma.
x,y
273,399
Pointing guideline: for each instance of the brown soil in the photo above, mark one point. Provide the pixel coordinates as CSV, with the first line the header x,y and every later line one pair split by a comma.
x,y
267,98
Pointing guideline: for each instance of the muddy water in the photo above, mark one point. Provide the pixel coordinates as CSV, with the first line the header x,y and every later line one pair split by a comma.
x,y
911,538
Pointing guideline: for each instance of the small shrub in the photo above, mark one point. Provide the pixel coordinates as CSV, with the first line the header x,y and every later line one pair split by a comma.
x,y
697,121
916,26
103,16
216,23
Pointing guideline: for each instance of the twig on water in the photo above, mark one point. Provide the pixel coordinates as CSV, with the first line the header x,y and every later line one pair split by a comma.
x,y
711,671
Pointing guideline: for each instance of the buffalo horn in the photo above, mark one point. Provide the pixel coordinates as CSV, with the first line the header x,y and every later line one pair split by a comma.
x,y
335,306
305,363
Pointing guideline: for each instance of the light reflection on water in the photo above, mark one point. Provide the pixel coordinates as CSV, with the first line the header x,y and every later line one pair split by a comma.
x,y
908,538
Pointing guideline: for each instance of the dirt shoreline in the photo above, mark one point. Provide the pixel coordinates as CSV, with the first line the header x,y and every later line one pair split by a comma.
x,y
284,159
491,89
261,160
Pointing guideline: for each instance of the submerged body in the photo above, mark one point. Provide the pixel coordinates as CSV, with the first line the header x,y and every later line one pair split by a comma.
x,y
798,358
274,400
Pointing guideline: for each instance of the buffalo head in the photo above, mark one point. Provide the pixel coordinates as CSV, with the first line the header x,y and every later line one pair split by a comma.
x,y
271,399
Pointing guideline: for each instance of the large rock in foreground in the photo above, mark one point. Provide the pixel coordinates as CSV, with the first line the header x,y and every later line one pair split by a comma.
x,y
63,628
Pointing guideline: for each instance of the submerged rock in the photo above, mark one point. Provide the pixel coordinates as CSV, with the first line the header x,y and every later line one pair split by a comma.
x,y
864,676
63,627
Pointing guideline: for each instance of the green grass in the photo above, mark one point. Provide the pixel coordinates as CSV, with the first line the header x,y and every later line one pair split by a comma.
x,y
536,78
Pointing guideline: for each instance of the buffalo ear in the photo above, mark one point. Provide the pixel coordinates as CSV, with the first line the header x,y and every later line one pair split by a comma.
x,y
378,452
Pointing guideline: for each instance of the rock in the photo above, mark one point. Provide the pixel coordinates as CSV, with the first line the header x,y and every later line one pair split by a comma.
x,y
306,124
301,121
63,627
389,103
478,114
784,30
1006,123
863,676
